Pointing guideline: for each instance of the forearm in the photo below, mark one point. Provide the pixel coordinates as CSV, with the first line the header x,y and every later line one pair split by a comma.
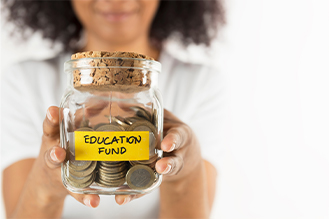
x,y
36,201
187,198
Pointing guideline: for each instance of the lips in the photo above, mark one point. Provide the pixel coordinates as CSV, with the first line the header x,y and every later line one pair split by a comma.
x,y
116,16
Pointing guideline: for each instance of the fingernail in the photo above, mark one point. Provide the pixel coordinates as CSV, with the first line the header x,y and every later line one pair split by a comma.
x,y
53,155
87,202
49,116
126,200
172,147
167,170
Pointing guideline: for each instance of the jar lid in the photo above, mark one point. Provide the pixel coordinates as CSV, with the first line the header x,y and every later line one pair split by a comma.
x,y
121,71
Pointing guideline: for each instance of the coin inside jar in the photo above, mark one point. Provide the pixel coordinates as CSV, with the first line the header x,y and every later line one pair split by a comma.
x,y
110,127
141,112
140,177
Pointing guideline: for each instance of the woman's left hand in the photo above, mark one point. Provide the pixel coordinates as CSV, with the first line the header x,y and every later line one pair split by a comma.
x,y
181,153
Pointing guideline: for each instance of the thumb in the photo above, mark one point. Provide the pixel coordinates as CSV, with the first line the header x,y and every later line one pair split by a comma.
x,y
51,123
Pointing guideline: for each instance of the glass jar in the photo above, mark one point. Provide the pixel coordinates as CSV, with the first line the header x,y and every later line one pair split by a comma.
x,y
111,124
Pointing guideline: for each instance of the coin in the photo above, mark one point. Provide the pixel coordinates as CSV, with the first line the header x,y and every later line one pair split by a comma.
x,y
99,125
110,127
112,169
82,185
113,183
78,165
107,165
112,176
120,121
85,172
84,129
140,177
78,179
131,120
141,112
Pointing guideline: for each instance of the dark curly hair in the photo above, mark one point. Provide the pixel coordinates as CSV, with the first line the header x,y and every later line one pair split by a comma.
x,y
195,21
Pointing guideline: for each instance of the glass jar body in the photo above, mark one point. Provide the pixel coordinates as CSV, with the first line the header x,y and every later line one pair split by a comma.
x,y
111,132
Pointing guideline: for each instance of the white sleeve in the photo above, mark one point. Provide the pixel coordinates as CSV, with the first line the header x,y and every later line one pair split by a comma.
x,y
19,137
208,119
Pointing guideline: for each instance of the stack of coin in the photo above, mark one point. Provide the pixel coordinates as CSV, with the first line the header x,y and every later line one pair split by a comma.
x,y
111,173
80,174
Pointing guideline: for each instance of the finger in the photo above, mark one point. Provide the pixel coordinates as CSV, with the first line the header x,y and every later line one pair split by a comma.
x,y
169,165
51,123
176,138
90,200
54,157
124,199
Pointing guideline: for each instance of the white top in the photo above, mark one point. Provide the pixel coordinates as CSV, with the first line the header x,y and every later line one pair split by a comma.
x,y
190,91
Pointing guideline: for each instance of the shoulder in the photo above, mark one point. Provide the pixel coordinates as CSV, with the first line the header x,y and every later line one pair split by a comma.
x,y
192,73
32,67
30,73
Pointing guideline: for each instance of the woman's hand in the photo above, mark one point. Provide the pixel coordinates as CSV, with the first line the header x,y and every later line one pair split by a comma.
x,y
181,154
40,192
46,170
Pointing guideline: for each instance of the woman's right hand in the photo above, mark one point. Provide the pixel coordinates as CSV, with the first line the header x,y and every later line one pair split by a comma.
x,y
46,171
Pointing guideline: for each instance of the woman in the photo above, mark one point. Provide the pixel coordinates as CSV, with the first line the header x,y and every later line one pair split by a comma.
x,y
31,179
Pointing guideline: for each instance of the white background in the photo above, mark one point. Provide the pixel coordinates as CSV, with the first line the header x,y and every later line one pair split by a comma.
x,y
274,57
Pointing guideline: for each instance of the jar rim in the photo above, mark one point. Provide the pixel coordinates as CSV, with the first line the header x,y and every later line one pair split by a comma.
x,y
84,63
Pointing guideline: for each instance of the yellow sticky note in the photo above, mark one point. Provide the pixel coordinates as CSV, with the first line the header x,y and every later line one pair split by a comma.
x,y
111,146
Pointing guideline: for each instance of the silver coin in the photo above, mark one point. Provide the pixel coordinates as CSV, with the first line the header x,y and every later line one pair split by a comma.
x,y
110,127
140,177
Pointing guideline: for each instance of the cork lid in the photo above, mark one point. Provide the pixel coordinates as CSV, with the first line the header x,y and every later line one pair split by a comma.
x,y
112,71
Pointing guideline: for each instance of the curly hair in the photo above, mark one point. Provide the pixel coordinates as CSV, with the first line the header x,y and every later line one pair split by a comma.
x,y
194,21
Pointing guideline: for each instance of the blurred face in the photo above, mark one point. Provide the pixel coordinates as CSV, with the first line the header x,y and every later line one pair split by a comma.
x,y
116,21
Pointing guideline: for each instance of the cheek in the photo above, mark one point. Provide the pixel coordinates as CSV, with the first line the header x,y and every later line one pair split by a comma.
x,y
83,10
149,9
